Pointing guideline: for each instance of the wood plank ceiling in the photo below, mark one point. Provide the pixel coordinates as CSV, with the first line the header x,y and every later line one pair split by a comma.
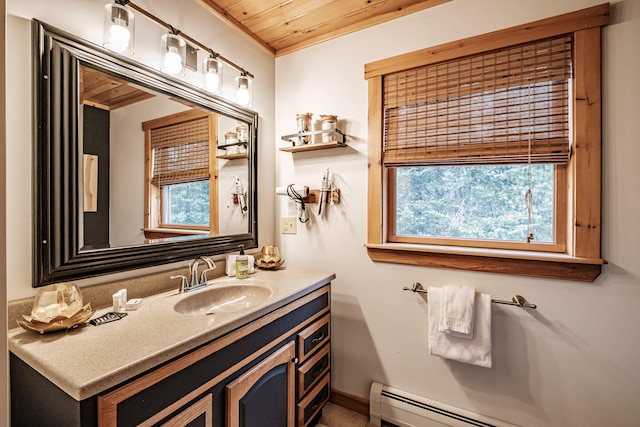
x,y
284,26
107,92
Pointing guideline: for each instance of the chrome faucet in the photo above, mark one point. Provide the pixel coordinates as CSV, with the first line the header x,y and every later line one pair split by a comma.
x,y
196,282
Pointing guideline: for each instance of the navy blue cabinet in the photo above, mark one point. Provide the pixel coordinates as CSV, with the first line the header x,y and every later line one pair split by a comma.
x,y
273,371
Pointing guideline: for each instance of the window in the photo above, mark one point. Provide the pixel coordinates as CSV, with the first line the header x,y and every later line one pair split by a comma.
x,y
179,171
507,110
474,206
186,204
461,136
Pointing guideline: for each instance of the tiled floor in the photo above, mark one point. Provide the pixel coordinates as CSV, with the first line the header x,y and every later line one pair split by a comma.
x,y
337,416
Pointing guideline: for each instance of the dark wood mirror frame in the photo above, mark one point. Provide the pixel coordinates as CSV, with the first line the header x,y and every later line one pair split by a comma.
x,y
56,195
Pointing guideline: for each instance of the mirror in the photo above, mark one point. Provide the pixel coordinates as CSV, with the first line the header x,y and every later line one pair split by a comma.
x,y
133,168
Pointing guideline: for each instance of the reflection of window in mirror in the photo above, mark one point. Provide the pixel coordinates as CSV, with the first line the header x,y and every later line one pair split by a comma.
x,y
181,196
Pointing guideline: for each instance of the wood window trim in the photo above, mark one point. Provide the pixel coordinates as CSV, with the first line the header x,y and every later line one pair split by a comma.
x,y
153,226
581,260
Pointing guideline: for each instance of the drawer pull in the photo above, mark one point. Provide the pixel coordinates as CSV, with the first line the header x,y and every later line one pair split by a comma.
x,y
318,370
321,397
318,339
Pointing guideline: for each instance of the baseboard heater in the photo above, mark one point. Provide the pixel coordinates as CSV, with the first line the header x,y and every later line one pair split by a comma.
x,y
405,409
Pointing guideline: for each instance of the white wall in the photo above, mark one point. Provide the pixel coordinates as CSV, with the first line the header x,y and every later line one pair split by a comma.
x,y
573,362
85,18
232,219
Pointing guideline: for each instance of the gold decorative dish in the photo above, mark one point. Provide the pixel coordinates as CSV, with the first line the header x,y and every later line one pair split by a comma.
x,y
269,265
58,323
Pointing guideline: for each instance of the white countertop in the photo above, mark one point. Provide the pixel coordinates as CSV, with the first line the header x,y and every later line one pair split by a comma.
x,y
90,359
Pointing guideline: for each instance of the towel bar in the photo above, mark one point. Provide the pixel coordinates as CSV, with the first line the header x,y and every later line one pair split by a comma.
x,y
517,300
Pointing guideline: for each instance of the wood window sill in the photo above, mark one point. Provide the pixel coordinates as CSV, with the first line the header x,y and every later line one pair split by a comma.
x,y
163,233
520,263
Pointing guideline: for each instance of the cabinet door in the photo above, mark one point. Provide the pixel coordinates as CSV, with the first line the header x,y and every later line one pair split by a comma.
x,y
265,395
200,414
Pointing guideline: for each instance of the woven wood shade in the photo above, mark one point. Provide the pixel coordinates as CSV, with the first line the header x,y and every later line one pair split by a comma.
x,y
495,107
180,153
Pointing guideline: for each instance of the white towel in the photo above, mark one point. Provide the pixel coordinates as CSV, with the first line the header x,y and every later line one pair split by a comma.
x,y
456,316
476,351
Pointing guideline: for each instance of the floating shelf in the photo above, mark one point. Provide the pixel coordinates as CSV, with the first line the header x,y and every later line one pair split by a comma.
x,y
235,144
233,156
312,147
316,146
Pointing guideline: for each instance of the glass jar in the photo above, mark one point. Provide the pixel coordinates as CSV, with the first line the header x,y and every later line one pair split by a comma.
x,y
230,138
303,122
242,130
328,122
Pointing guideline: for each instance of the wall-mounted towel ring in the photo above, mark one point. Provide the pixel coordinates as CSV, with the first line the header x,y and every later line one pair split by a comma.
x,y
517,300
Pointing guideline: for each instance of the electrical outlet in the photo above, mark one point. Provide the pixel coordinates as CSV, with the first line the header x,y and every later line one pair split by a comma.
x,y
288,225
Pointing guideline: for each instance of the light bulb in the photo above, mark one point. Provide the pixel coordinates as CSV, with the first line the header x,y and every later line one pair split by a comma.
x,y
212,82
172,62
119,38
212,69
173,54
243,96
243,90
119,23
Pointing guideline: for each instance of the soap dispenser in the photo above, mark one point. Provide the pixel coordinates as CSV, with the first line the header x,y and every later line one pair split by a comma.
x,y
242,264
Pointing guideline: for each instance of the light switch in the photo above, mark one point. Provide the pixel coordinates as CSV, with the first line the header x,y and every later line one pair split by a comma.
x,y
288,225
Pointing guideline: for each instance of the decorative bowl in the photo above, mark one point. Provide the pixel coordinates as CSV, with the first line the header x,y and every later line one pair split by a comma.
x,y
59,300
58,323
269,254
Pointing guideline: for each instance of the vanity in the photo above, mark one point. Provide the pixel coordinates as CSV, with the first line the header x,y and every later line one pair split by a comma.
x,y
174,363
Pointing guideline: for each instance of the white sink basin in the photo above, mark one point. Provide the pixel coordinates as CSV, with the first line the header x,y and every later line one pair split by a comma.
x,y
226,296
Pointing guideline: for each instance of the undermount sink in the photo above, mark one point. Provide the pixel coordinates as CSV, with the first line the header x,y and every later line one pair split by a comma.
x,y
226,296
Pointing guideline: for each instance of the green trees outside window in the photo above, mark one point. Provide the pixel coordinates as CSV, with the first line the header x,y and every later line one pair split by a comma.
x,y
186,204
475,202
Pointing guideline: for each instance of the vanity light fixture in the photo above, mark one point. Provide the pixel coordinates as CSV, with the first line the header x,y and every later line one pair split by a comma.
x,y
243,89
174,47
212,70
173,50
119,24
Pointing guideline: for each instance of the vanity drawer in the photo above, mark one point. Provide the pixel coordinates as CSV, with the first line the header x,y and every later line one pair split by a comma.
x,y
311,405
313,337
313,369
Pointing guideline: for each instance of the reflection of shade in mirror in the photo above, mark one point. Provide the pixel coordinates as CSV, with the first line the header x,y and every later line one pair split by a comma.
x,y
179,158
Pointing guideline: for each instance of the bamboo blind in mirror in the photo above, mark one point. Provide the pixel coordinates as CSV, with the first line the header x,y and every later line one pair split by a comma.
x,y
504,106
180,152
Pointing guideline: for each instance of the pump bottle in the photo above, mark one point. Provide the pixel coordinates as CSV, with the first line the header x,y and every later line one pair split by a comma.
x,y
242,264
